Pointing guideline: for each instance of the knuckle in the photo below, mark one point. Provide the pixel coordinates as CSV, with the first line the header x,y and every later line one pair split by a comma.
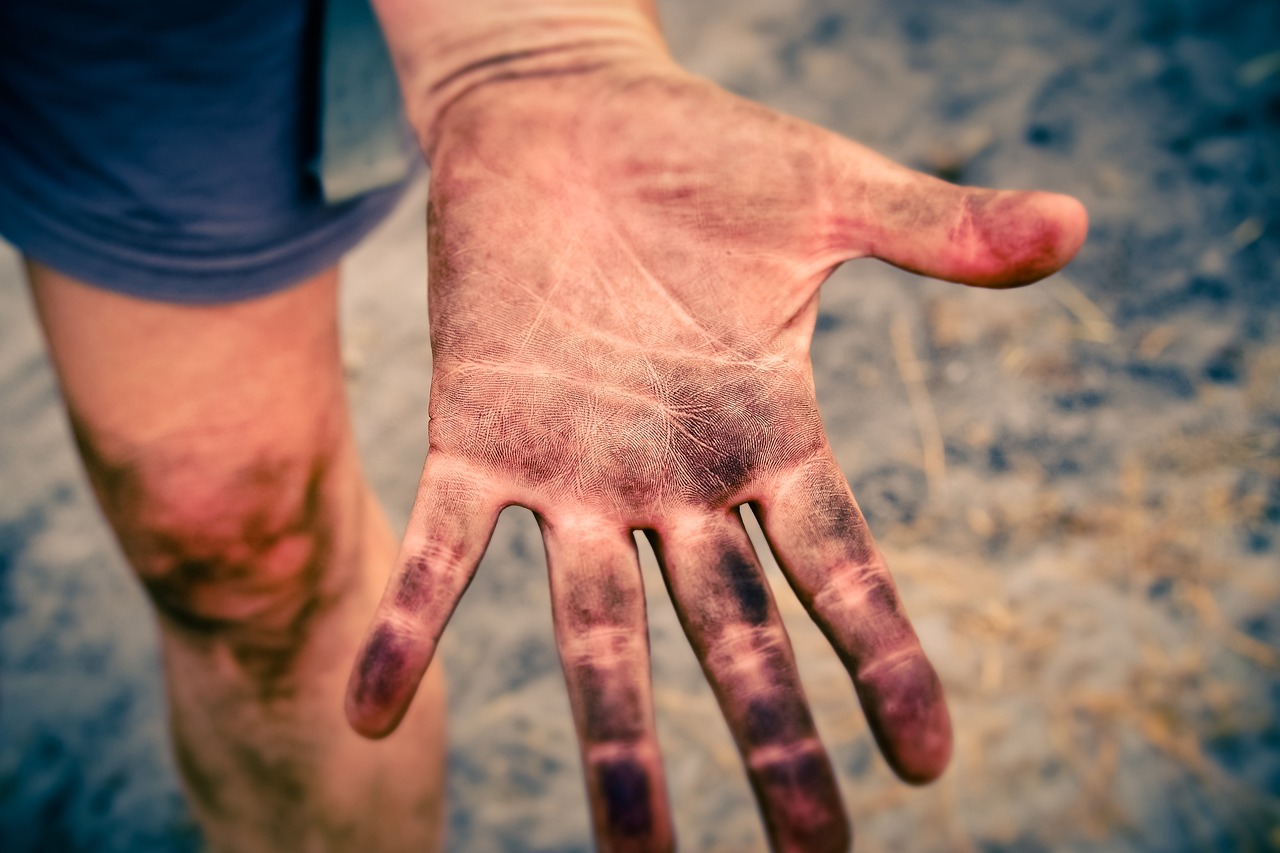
x,y
607,675
799,795
613,705
798,759
883,665
864,587
750,648
777,717
600,643
434,569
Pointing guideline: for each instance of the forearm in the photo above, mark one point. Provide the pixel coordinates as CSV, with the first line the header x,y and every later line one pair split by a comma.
x,y
444,48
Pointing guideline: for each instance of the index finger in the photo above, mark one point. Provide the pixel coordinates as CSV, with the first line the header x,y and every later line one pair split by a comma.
x,y
448,533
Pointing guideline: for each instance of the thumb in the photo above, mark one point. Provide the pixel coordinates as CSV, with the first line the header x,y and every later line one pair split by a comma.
x,y
988,238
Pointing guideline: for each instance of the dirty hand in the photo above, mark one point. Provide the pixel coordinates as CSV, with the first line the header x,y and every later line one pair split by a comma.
x,y
624,267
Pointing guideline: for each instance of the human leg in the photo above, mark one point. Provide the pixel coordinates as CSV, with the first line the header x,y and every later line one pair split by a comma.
x,y
218,442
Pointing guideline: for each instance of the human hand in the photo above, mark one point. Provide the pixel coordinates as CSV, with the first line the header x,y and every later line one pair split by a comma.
x,y
624,270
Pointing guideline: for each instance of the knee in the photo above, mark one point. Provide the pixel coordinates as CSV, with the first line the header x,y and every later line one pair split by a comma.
x,y
229,540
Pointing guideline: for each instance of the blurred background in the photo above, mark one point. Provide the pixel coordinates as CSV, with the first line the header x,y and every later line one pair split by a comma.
x,y
1077,485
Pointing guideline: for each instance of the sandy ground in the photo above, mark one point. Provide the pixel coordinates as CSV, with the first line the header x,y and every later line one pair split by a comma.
x,y
1078,484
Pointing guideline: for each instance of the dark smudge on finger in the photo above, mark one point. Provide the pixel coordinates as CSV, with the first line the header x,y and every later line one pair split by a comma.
x,y
604,601
414,587
801,802
908,717
804,773
380,667
776,719
612,707
746,583
625,785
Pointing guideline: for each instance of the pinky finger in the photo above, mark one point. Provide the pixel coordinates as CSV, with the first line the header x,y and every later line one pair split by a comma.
x,y
448,533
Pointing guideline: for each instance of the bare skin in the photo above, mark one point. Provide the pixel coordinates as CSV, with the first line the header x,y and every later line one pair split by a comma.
x,y
624,264
624,267
218,443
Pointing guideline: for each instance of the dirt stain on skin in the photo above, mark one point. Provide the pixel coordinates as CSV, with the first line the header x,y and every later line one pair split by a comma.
x,y
118,485
606,601
186,573
1026,244
414,586
746,585
380,668
268,650
803,772
801,803
628,429
283,778
204,785
776,719
624,782
909,720
611,704
834,515
880,603
725,473
719,434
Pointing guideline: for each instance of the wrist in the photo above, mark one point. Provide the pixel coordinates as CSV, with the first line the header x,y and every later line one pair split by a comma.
x,y
444,50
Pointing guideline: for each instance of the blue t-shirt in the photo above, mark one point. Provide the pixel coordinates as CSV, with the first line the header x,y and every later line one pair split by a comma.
x,y
166,148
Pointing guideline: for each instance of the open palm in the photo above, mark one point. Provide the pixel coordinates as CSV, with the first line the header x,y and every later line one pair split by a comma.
x,y
624,274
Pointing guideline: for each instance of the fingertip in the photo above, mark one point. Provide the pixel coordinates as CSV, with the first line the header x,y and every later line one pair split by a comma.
x,y
1071,211
1017,238
383,682
369,723
799,798
908,716
367,720
926,760
922,756
1072,219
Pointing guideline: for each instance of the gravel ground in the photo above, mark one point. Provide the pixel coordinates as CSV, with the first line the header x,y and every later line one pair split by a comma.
x,y
1078,484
